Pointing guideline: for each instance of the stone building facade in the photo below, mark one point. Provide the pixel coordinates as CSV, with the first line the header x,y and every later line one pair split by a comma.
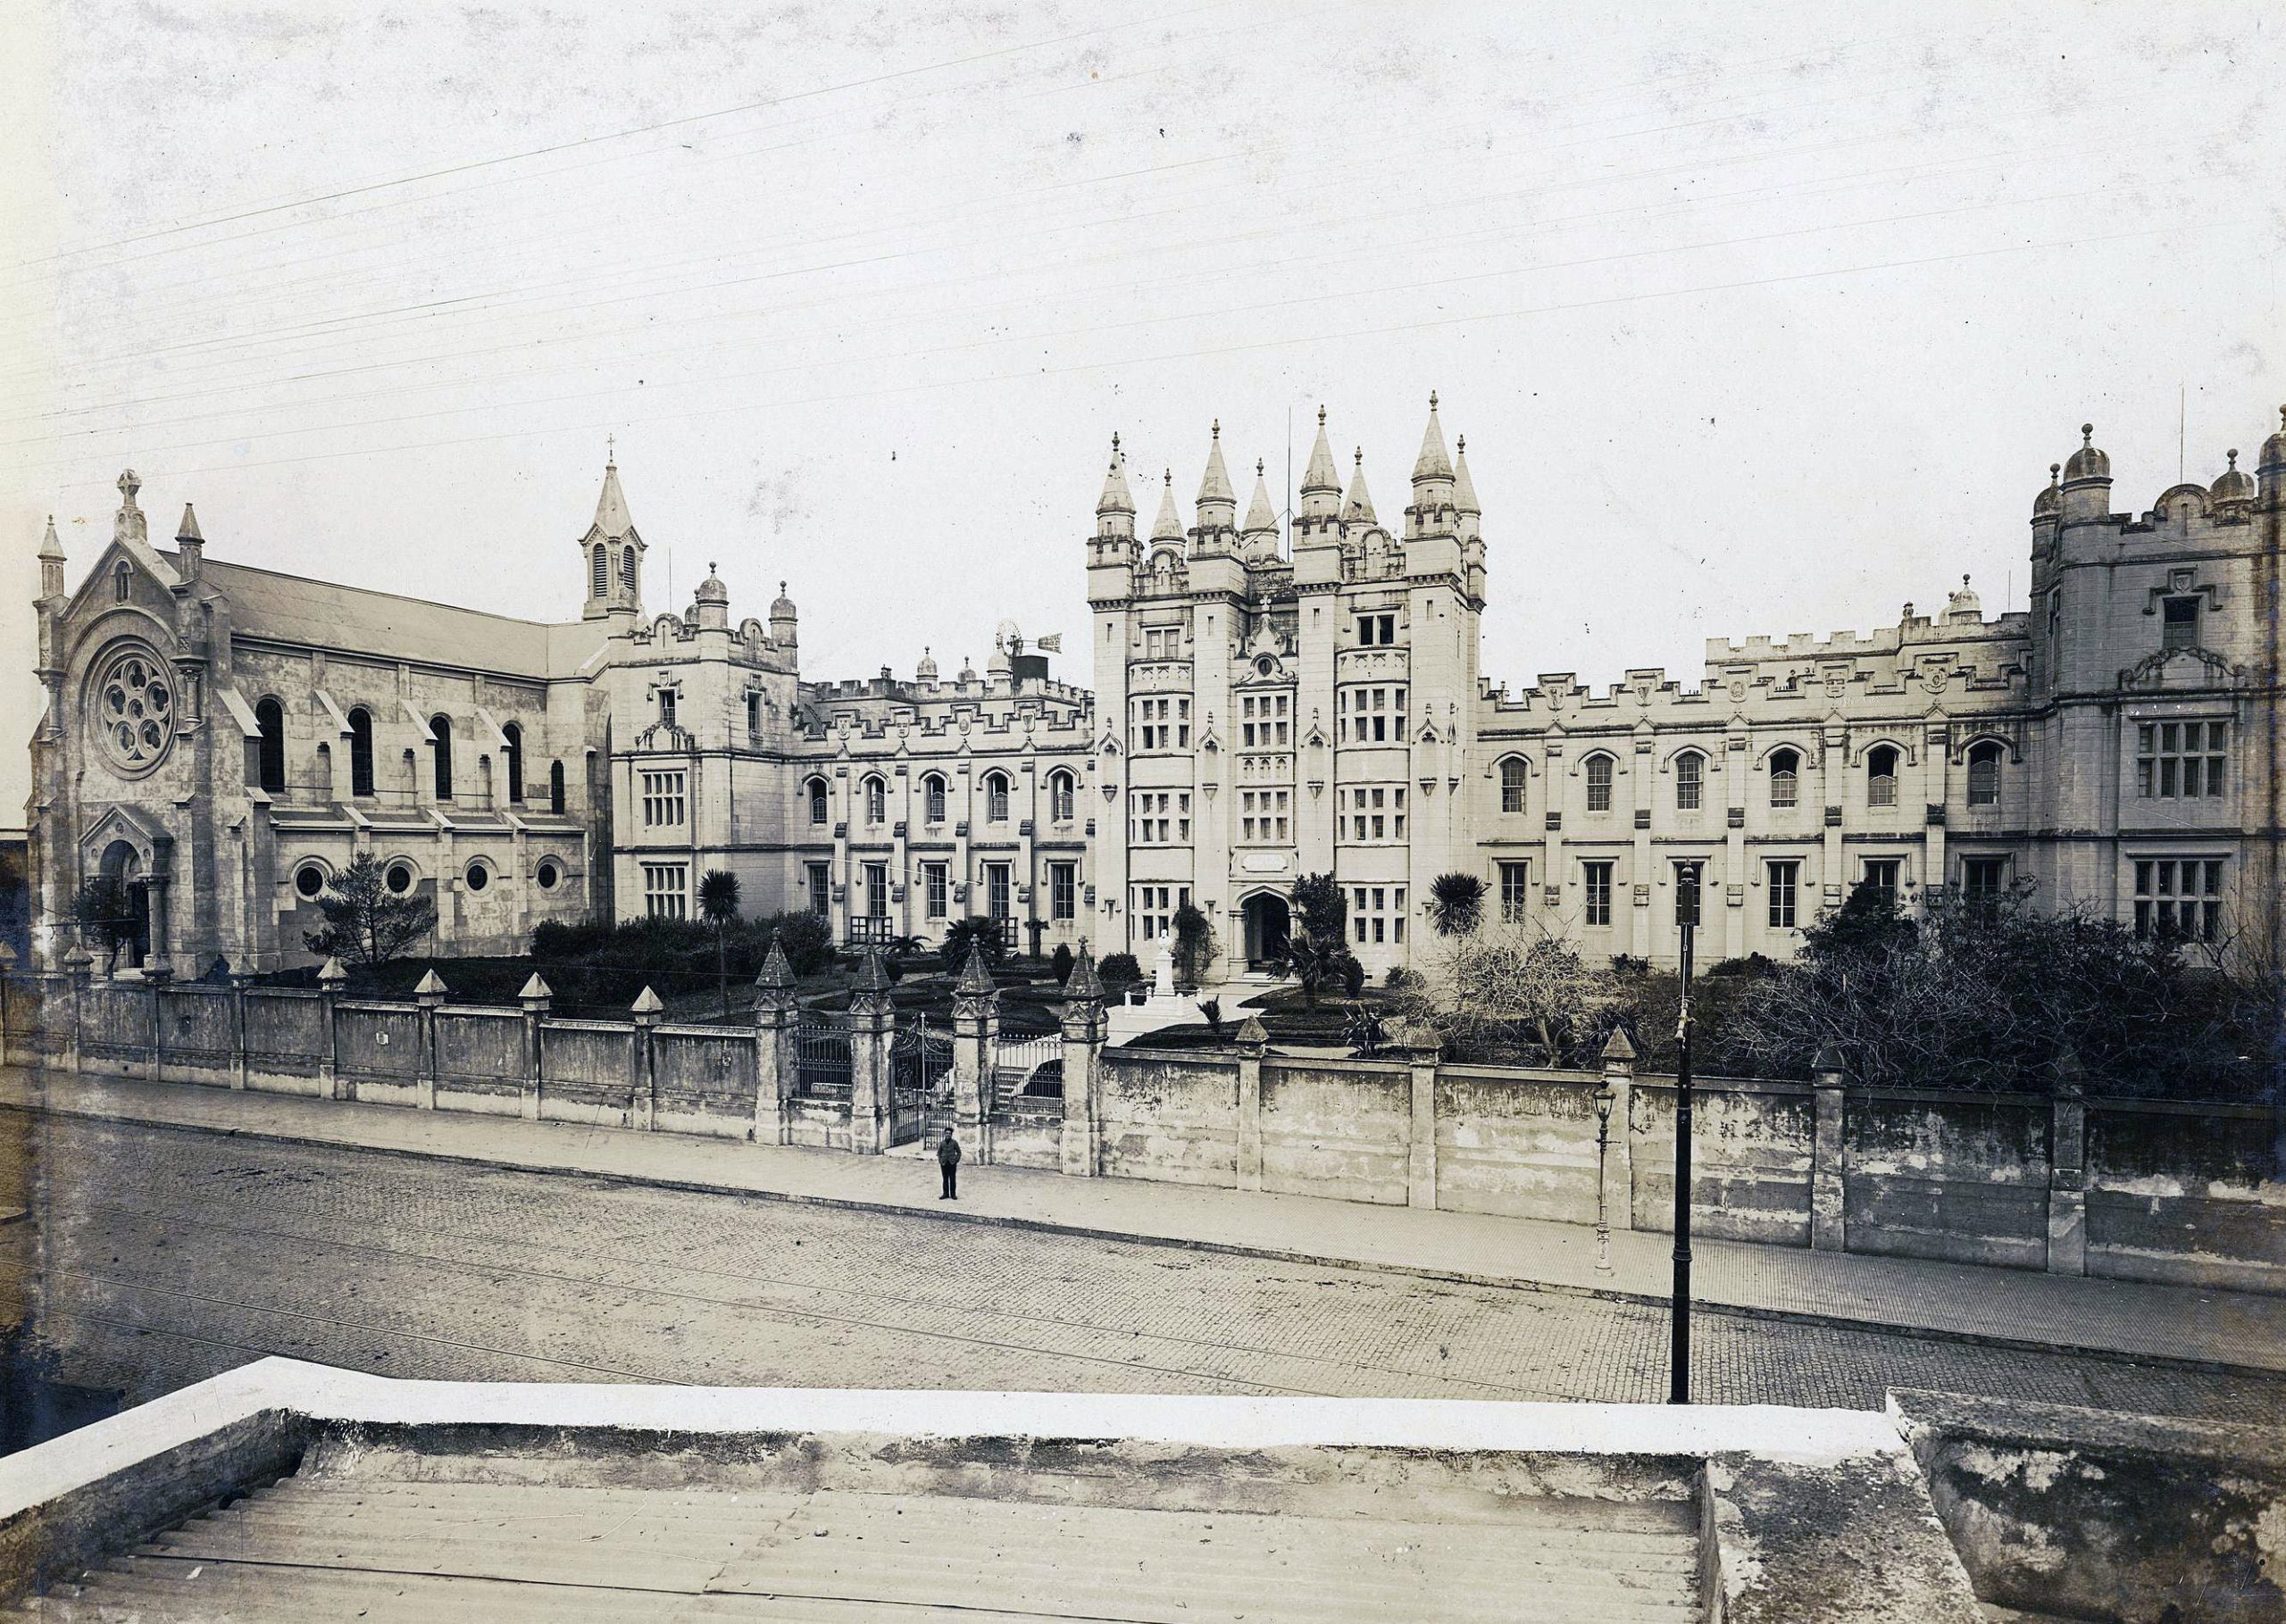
x,y
220,740
1269,712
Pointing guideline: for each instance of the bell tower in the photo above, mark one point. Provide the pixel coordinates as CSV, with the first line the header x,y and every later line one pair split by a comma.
x,y
610,553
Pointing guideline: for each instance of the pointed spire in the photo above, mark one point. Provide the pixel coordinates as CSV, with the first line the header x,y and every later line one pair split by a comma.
x,y
1617,1050
872,975
1168,526
332,975
775,973
51,551
1215,485
1321,475
1464,487
431,985
534,988
646,1003
611,507
188,529
1359,505
1261,517
1116,498
976,976
1432,464
1083,985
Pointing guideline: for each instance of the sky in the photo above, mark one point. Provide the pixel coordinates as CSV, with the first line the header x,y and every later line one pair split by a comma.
x,y
1757,318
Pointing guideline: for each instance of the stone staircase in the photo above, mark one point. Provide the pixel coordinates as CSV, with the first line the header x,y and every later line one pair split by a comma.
x,y
393,1546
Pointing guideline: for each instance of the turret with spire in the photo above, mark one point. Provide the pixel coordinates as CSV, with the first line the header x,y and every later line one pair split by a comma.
x,y
190,546
1168,526
51,567
610,553
1218,504
1432,510
1357,507
1114,538
1258,536
1321,481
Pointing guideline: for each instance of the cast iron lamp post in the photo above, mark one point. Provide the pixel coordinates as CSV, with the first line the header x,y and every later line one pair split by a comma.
x,y
1679,1351
1604,1100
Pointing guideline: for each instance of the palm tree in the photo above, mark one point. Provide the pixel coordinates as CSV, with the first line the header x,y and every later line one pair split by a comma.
x,y
1456,903
718,902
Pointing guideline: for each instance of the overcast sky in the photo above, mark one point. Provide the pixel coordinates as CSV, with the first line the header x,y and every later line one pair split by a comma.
x,y
1757,318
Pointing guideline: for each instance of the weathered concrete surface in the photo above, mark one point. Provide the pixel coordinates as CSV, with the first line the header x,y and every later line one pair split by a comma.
x,y
1827,1542
2087,1512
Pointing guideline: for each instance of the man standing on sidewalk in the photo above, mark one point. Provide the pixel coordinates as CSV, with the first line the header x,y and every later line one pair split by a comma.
x,y
948,1163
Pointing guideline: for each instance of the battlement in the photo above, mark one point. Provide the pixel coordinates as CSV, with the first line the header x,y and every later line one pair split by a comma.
x,y
1911,630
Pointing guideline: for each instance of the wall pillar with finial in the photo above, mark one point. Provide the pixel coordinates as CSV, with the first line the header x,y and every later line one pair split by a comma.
x,y
872,1029
1084,1028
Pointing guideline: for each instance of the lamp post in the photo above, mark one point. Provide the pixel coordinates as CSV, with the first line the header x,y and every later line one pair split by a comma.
x,y
1678,1352
1603,1099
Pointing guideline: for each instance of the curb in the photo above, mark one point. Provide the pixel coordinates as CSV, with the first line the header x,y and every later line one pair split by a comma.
x,y
1040,1226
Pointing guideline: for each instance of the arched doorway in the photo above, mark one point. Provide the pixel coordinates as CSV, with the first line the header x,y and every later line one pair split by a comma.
x,y
130,931
1269,926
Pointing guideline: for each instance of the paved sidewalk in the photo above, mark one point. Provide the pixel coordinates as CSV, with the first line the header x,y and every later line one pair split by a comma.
x,y
2222,1329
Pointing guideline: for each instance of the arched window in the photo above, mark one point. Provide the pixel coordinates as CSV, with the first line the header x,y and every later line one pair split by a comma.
x,y
361,751
269,716
441,727
1785,776
1599,769
602,577
876,801
1984,774
667,706
118,582
1881,776
556,788
1059,797
932,798
516,755
324,780
627,572
1691,780
817,801
995,797
1512,784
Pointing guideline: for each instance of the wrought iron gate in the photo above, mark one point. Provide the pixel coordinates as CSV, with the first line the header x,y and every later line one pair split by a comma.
x,y
921,1082
821,1051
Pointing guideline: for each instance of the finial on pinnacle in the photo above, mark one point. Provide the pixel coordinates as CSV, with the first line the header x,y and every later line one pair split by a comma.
x,y
2233,454
1218,429
2054,469
1432,400
1963,577
2282,411
611,451
1114,445
1170,476
1360,458
2087,434
1258,466
781,588
1462,445
129,484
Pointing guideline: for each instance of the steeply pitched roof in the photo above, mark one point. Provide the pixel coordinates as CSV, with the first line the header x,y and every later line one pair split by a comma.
x,y
1169,524
1359,506
1322,474
612,517
1432,464
322,615
1215,485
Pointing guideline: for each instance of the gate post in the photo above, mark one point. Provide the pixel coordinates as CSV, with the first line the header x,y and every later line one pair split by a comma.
x,y
537,997
1083,1056
1829,1205
777,1061
2067,1161
80,963
241,978
331,978
646,1009
976,1031
1615,1170
429,994
1254,1042
873,1026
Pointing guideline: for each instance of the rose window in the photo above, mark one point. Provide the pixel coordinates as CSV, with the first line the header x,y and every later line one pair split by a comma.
x,y
135,709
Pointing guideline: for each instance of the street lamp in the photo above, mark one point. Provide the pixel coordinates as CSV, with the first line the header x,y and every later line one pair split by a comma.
x,y
1679,1349
1603,1101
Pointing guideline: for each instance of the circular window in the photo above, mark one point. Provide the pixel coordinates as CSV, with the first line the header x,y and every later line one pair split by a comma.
x,y
399,877
1266,664
309,879
133,710
547,874
478,876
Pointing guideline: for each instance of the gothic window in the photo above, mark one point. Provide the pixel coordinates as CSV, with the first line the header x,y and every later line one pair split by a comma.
x,y
441,727
118,582
817,800
602,579
1785,776
361,751
556,788
1599,771
1060,798
1691,780
1881,776
627,572
516,755
1984,774
932,798
995,797
269,716
667,707
876,801
753,713
2181,626
1512,784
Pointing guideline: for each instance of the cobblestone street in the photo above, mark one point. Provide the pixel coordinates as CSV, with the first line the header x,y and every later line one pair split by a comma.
x,y
170,1255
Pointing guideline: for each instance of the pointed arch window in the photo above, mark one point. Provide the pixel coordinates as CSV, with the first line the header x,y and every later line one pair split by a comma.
x,y
361,751
269,770
1059,798
1691,780
1512,784
1785,776
1598,772
601,581
118,582
627,570
1881,776
514,734
440,728
817,801
556,788
932,798
995,797
876,801
1984,774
